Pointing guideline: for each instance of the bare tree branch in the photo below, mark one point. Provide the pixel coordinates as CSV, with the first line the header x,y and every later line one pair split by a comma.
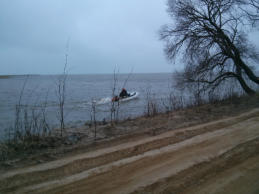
x,y
210,35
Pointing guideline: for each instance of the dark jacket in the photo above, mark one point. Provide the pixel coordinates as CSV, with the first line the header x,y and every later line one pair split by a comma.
x,y
123,93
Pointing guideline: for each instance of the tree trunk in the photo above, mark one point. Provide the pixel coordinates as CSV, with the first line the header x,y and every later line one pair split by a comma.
x,y
238,60
246,88
242,82
247,70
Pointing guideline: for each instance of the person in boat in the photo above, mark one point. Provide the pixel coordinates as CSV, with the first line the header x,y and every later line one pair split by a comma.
x,y
124,93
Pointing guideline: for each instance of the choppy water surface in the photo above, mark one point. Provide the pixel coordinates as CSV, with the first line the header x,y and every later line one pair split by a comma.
x,y
80,91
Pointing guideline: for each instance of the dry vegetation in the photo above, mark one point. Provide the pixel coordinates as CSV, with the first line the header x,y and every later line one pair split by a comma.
x,y
33,149
187,160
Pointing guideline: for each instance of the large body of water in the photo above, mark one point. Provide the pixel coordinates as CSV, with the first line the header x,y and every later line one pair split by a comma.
x,y
80,90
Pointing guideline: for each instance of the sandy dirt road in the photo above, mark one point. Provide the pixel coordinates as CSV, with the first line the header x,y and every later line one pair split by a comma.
x,y
217,157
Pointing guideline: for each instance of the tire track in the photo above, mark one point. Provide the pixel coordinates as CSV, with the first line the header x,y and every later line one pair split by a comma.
x,y
71,169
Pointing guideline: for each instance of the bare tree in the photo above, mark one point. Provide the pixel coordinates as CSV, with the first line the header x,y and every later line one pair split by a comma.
x,y
61,93
251,9
127,79
18,110
93,117
151,108
114,104
211,36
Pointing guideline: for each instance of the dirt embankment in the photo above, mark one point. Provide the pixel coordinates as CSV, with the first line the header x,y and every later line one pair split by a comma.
x,y
217,157
80,140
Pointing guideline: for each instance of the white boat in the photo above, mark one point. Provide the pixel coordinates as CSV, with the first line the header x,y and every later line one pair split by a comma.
x,y
132,95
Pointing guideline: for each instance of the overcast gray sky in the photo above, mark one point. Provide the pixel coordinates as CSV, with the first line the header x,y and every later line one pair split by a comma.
x,y
102,34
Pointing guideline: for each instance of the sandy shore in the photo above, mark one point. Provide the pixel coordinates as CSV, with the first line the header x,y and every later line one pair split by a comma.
x,y
197,159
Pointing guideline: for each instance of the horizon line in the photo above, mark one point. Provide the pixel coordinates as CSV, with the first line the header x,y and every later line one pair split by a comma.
x,y
37,74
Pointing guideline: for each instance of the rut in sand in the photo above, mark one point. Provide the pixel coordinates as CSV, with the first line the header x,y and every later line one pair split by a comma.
x,y
134,165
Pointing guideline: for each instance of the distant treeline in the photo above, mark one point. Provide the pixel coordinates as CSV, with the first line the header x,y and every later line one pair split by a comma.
x,y
5,76
10,76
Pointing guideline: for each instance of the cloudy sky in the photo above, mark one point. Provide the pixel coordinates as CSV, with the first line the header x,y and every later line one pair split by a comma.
x,y
102,34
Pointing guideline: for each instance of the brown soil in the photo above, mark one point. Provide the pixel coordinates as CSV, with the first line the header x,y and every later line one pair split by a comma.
x,y
220,156
128,130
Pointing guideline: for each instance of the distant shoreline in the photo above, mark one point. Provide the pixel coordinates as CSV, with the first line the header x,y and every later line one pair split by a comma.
x,y
22,75
10,76
5,76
